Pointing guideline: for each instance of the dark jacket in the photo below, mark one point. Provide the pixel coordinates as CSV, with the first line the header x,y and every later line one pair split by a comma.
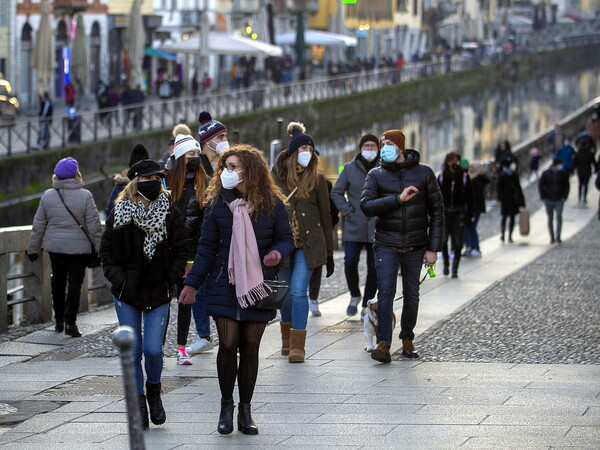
x,y
346,195
478,187
314,219
554,185
457,191
584,163
212,258
510,194
193,223
134,280
416,223
120,181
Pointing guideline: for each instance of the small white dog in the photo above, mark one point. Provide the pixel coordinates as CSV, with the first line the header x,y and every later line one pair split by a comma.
x,y
370,324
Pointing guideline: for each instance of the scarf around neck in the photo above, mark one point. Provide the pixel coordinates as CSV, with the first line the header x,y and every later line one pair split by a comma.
x,y
151,220
245,269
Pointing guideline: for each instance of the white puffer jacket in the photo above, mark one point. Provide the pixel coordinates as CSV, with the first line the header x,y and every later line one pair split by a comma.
x,y
55,231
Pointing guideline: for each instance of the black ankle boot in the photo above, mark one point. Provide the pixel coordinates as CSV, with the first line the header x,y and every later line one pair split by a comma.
x,y
72,330
157,412
245,423
144,411
59,327
226,417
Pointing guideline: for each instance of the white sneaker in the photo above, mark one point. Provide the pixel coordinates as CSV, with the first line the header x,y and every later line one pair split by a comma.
x,y
183,359
352,306
475,253
313,305
200,345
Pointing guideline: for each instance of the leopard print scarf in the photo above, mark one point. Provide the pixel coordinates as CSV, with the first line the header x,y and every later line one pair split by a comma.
x,y
151,220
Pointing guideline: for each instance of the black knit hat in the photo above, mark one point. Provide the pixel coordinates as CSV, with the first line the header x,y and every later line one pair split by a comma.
x,y
209,128
145,168
138,153
368,138
299,138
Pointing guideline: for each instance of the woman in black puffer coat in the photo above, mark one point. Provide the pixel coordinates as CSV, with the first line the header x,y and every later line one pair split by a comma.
x,y
241,188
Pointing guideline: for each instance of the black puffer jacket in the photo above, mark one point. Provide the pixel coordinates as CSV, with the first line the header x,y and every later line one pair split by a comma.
x,y
212,259
416,223
134,280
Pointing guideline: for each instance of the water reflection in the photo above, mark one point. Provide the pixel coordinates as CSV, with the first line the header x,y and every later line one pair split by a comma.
x,y
475,124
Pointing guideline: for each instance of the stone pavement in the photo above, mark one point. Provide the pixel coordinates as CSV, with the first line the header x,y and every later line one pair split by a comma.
x,y
510,359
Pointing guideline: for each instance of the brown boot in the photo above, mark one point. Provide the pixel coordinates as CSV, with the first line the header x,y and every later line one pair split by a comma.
x,y
408,349
285,337
381,353
297,340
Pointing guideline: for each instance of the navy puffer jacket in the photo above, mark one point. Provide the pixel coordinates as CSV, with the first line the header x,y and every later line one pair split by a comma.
x,y
211,263
417,223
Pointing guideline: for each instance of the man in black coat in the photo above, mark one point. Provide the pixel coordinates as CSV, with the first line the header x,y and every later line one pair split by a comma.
x,y
405,197
554,190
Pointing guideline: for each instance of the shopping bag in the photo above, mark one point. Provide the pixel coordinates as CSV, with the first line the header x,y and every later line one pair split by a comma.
x,y
524,222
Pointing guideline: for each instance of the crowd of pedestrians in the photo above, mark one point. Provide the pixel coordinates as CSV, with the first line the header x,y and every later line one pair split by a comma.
x,y
211,223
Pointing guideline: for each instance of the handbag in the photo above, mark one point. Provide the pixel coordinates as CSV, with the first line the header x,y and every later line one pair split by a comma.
x,y
94,258
524,222
278,290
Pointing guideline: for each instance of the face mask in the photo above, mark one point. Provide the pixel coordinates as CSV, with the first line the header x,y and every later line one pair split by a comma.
x,y
230,179
149,189
220,147
594,116
388,153
513,167
369,155
567,142
192,164
304,158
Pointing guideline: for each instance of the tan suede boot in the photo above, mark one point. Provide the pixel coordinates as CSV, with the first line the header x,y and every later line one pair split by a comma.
x,y
297,340
285,337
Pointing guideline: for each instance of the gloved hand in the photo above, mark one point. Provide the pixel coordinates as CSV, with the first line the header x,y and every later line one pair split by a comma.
x,y
32,256
272,258
187,296
330,266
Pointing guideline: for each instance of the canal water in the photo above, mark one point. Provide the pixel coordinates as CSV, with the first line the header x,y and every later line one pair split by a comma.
x,y
473,125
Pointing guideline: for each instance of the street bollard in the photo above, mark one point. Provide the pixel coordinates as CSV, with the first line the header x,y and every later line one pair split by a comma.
x,y
123,338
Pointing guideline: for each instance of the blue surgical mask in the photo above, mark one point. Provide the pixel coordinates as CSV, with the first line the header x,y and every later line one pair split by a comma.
x,y
388,153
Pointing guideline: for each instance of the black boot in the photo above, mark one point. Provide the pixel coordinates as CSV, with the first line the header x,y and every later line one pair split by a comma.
x,y
157,412
144,411
455,263
59,327
72,330
245,423
226,417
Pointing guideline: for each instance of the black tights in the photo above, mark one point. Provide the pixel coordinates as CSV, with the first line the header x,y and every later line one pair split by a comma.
x,y
233,335
511,225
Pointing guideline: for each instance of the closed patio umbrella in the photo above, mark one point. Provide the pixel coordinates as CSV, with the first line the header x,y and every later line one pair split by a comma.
x,y
300,44
135,45
203,47
43,58
80,66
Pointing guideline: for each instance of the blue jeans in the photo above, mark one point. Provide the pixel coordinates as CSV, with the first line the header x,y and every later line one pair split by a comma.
x,y
471,237
551,206
387,262
297,275
150,344
351,258
201,320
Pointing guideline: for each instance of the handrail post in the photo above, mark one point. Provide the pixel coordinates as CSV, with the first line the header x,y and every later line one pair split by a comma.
x,y
123,339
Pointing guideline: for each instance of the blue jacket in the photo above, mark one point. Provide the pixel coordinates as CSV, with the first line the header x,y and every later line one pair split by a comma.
x,y
211,263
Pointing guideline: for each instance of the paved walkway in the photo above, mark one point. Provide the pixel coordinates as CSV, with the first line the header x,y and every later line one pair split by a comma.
x,y
483,380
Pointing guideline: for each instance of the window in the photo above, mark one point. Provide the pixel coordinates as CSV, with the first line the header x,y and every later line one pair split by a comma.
x,y
415,8
402,6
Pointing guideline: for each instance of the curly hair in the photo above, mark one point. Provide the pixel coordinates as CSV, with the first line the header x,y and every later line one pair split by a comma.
x,y
261,190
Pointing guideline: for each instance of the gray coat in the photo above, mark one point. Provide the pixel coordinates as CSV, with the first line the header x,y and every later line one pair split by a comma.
x,y
54,230
346,195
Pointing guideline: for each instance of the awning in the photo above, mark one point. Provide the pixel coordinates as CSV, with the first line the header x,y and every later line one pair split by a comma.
x,y
315,37
225,44
157,53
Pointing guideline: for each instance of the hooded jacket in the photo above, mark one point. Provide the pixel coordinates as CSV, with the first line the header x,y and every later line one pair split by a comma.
x,y
418,222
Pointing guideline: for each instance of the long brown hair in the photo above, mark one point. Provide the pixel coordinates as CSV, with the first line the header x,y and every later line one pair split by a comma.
x,y
261,190
176,180
305,178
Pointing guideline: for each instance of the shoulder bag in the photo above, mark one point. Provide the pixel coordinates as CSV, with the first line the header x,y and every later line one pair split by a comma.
x,y
94,260
278,290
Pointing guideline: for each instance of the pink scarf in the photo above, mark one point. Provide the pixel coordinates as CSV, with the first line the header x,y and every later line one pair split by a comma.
x,y
245,269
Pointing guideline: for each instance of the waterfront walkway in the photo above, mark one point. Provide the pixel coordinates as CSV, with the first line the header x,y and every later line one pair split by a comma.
x,y
510,359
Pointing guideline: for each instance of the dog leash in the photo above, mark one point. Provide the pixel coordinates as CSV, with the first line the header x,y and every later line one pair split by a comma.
x,y
429,273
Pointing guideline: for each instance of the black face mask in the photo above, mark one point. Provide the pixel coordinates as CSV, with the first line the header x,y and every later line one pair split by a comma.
x,y
192,164
149,189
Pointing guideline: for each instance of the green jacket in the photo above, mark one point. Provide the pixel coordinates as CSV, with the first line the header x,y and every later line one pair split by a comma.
x,y
314,218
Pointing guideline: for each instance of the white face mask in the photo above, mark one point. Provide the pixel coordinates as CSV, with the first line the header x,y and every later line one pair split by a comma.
x,y
304,158
221,147
230,179
369,155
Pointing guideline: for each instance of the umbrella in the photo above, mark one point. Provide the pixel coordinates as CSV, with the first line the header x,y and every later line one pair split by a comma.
x,y
315,37
135,45
225,44
42,58
300,44
203,47
338,26
80,66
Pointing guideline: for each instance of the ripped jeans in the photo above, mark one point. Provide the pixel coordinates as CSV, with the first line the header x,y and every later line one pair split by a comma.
x,y
150,344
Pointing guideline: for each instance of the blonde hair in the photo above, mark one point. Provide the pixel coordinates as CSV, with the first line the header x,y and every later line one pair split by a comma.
x,y
131,191
77,177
